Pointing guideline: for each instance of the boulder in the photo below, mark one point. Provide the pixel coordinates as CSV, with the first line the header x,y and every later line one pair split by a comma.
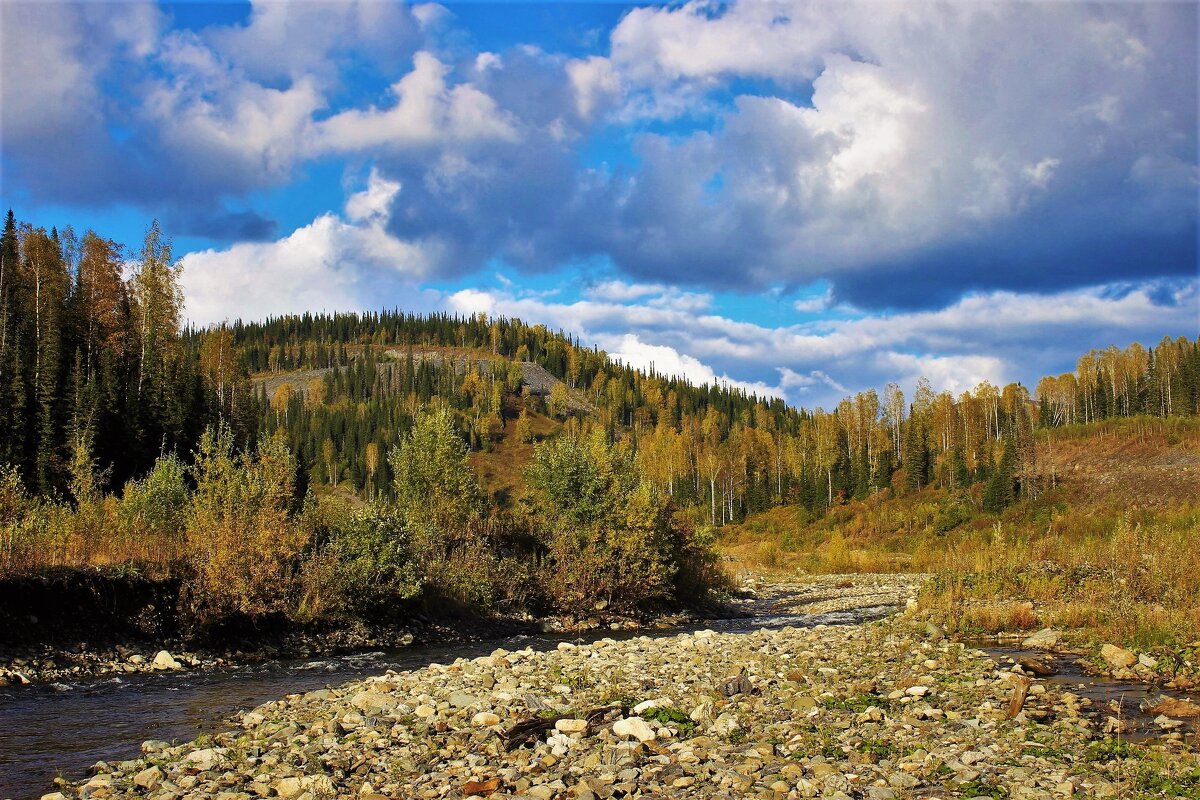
x,y
1045,639
1117,657
148,779
165,661
634,728
204,760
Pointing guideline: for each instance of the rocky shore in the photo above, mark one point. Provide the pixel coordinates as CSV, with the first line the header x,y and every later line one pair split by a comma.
x,y
882,710
51,663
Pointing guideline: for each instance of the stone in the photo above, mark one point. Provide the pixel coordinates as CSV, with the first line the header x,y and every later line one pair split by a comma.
x,y
148,779
485,719
917,691
165,661
902,780
1117,657
1037,666
288,788
569,726
463,700
634,728
204,760
370,702
1173,707
424,711
481,788
1045,639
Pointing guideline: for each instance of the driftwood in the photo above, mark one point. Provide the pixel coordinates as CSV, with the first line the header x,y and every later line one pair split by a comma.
x,y
535,727
1039,667
1020,692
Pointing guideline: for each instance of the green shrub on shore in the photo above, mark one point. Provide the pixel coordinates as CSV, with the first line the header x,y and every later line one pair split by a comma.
x,y
230,528
611,537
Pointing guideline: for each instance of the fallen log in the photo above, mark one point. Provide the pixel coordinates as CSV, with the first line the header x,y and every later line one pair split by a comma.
x,y
1020,692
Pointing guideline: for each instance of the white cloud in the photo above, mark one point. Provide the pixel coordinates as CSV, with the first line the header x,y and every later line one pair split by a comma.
x,y
427,111
899,150
594,82
667,361
307,40
999,337
328,265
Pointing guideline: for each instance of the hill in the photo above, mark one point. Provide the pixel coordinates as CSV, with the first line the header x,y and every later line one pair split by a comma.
x,y
278,467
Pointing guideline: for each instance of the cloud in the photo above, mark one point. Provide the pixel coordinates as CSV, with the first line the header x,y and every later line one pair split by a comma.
x,y
289,40
667,361
331,264
427,111
223,226
898,171
998,336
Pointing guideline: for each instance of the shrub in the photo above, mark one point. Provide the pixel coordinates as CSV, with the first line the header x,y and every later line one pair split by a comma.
x,y
364,565
609,533
157,504
242,544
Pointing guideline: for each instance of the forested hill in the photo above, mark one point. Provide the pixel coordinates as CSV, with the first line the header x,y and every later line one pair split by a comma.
x,y
95,368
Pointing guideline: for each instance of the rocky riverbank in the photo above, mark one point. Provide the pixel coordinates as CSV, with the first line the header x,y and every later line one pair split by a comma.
x,y
881,710
55,663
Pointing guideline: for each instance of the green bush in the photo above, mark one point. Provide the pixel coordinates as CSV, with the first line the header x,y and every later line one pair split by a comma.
x,y
157,504
365,565
609,533
242,544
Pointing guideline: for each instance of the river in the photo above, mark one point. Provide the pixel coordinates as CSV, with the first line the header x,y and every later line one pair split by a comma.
x,y
64,729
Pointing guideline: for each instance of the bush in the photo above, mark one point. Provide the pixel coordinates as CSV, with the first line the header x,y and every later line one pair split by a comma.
x,y
242,544
364,566
609,533
157,504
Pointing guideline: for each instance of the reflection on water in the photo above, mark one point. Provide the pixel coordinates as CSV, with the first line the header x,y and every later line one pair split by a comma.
x,y
65,728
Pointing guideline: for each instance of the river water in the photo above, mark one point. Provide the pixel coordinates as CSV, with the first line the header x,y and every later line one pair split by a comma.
x,y
64,729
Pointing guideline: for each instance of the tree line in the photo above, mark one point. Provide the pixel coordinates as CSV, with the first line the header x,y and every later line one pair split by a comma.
x,y
94,364
93,358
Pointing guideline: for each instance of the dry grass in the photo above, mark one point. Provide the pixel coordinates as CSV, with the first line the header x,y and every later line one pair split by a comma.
x,y
501,470
1111,548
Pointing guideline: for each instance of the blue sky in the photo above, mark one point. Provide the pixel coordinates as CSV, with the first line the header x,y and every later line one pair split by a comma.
x,y
803,199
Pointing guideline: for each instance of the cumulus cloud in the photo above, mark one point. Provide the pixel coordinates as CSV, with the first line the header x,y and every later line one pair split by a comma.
x,y
426,111
898,162
331,264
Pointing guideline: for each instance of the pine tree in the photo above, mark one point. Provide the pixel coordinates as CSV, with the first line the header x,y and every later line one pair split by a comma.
x,y
916,456
1000,491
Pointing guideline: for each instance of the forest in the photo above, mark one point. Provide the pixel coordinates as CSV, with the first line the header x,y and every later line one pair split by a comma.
x,y
279,464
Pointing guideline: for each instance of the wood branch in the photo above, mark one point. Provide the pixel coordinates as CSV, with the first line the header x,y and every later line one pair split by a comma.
x,y
1020,692
535,727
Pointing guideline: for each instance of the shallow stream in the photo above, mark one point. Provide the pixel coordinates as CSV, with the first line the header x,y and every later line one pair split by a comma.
x,y
64,729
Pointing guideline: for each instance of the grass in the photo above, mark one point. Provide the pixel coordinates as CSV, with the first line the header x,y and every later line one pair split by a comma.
x,y
676,718
856,704
1107,547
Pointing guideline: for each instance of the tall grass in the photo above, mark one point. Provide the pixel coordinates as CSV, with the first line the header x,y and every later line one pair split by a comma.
x,y
1110,547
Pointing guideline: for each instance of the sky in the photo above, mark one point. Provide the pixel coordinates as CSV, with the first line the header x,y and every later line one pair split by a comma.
x,y
803,200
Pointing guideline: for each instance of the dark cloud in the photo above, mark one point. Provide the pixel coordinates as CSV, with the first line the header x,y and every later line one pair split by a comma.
x,y
225,226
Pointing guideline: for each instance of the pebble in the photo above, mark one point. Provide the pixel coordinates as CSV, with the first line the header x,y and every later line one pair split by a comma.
x,y
816,722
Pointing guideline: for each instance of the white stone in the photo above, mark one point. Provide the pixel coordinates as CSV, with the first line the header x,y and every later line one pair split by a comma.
x,y
164,661
634,728
569,726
